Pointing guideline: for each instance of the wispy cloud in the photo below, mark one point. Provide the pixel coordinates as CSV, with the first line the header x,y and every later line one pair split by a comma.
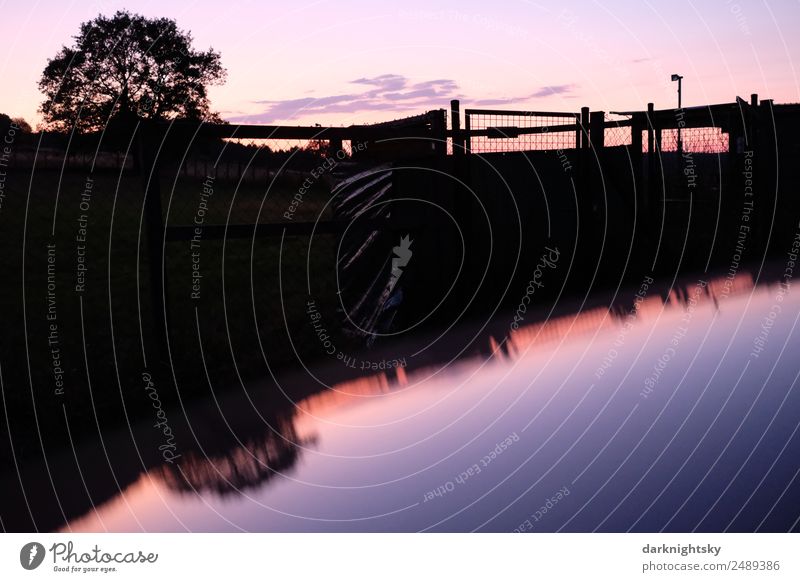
x,y
565,90
389,92
552,90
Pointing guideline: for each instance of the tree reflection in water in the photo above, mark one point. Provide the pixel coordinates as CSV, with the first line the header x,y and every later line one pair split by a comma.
x,y
251,462
247,465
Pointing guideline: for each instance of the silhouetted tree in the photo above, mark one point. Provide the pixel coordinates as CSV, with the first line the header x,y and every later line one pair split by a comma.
x,y
18,124
128,65
23,125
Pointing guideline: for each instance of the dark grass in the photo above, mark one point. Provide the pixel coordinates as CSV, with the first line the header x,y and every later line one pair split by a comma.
x,y
237,332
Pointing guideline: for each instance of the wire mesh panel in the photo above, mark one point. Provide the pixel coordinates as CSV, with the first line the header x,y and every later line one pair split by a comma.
x,y
617,132
705,140
280,145
514,131
699,140
230,181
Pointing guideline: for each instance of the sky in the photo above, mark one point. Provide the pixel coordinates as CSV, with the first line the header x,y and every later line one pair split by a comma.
x,y
354,61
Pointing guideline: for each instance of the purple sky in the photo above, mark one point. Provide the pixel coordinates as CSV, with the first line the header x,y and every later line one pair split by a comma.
x,y
356,61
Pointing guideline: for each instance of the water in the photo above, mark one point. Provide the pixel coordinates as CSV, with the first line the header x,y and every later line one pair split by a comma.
x,y
676,415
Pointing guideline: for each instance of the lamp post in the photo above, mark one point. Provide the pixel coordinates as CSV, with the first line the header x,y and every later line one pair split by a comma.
x,y
679,78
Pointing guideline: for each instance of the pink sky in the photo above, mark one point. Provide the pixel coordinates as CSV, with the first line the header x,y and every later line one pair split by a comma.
x,y
357,61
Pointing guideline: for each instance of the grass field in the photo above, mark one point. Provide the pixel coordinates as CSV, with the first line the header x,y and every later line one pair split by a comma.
x,y
78,324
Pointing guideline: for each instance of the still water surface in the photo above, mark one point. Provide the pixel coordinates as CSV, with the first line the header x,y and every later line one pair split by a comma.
x,y
675,414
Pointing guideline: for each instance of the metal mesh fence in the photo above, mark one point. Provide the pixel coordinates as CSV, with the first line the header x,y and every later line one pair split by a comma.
x,y
248,163
235,181
504,131
701,140
55,159
290,145
709,140
706,140
617,132
616,136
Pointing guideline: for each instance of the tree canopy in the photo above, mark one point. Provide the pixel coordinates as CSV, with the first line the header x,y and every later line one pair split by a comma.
x,y
128,65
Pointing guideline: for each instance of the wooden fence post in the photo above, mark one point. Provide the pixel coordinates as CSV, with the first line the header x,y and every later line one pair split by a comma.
x,y
334,147
154,234
651,154
638,125
439,132
584,127
766,174
467,136
455,124
597,130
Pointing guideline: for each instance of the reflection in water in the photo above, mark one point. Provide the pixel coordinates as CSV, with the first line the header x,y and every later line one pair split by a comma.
x,y
345,392
596,320
711,446
247,465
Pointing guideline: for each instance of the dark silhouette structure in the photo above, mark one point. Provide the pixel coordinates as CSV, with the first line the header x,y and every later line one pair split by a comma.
x,y
202,252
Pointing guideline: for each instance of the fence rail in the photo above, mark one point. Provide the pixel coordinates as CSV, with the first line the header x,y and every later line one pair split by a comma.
x,y
710,129
496,130
697,130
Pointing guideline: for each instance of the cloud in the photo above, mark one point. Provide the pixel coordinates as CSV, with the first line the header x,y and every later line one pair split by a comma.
x,y
388,92
387,82
547,91
493,102
553,90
